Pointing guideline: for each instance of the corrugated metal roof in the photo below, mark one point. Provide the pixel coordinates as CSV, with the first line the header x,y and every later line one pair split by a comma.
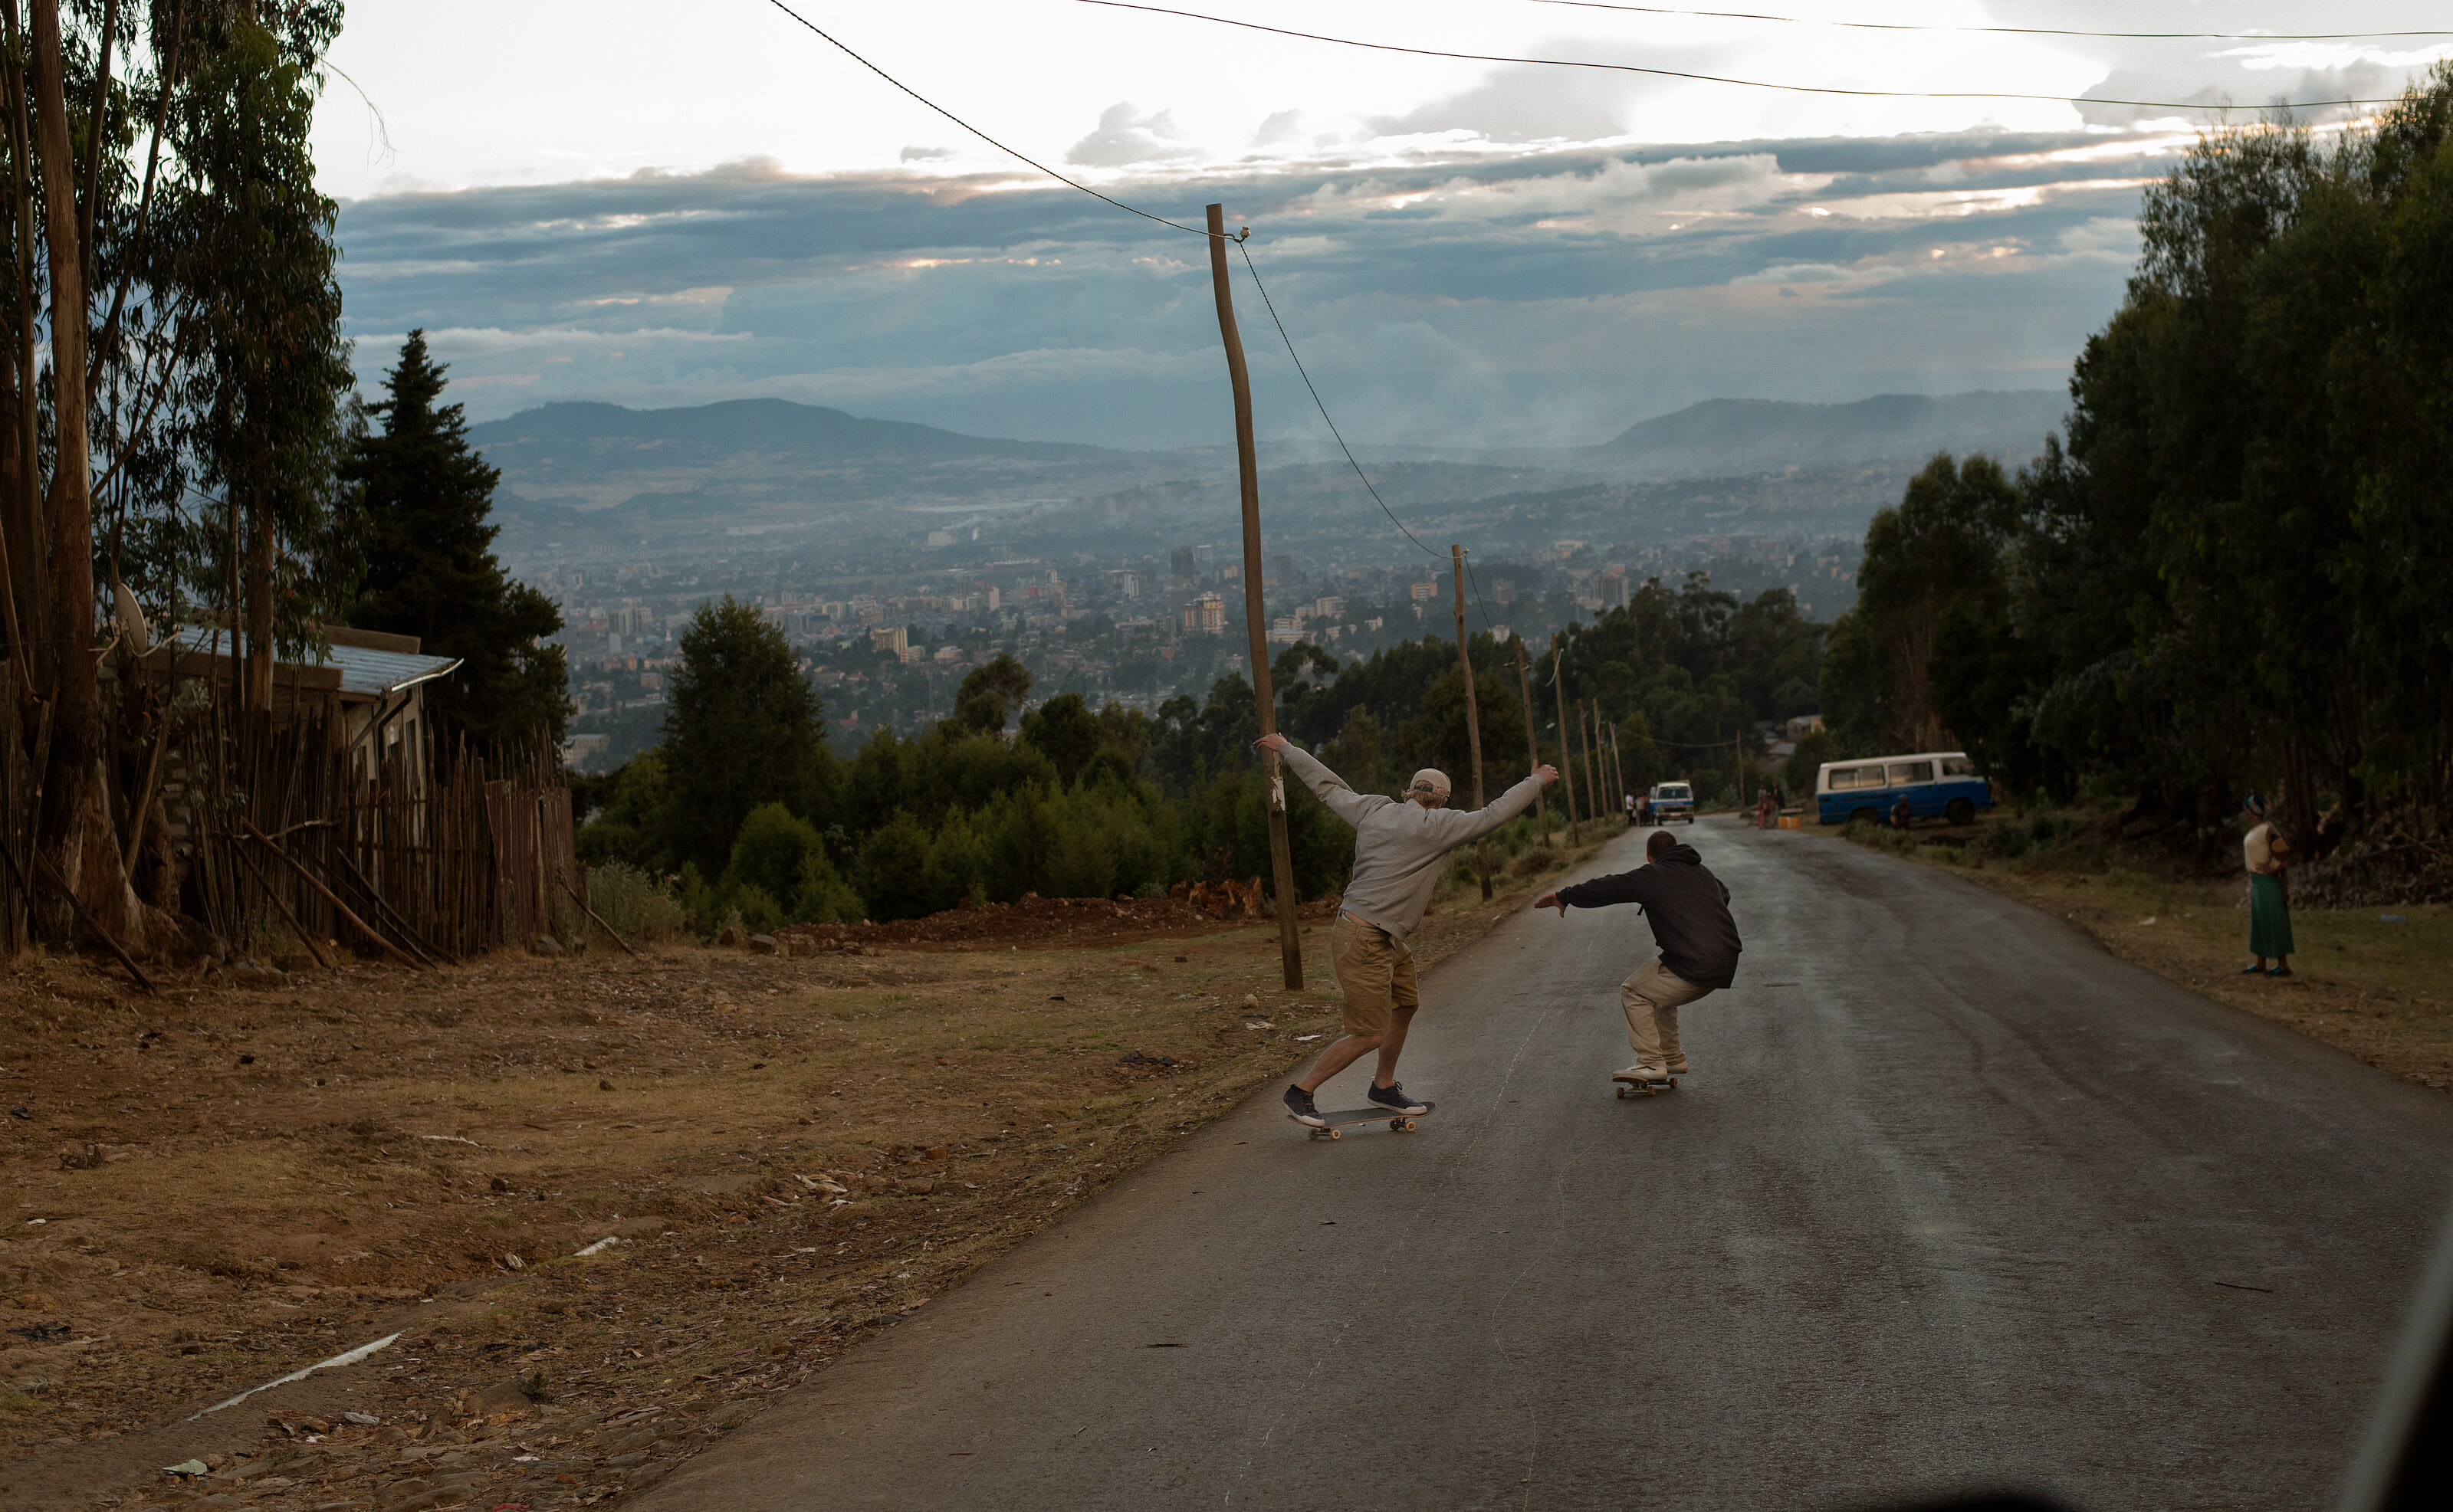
x,y
373,673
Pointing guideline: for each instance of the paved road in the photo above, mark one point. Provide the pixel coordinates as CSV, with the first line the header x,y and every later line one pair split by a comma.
x,y
1952,1197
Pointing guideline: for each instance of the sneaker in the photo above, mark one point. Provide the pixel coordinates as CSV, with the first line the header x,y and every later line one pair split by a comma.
x,y
1300,1105
1640,1072
1678,1067
1394,1098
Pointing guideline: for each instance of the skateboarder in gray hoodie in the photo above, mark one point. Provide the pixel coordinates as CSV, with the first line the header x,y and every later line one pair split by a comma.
x,y
1688,911
1401,847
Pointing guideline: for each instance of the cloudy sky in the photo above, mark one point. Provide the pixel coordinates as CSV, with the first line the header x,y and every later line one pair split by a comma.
x,y
659,205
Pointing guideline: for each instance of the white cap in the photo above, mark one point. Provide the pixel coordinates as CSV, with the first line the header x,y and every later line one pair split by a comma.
x,y
1430,779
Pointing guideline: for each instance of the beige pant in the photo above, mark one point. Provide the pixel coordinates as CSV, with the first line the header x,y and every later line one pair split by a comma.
x,y
1651,997
1375,972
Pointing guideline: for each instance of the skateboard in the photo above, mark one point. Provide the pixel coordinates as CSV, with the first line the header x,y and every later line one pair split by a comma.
x,y
1398,1122
1628,1087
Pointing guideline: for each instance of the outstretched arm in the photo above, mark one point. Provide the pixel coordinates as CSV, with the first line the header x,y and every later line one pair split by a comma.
x,y
1343,800
1625,886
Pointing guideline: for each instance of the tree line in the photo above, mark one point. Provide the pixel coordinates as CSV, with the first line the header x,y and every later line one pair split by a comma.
x,y
749,808
2230,574
180,442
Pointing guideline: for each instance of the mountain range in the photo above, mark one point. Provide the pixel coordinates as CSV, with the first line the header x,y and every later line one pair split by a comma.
x,y
573,471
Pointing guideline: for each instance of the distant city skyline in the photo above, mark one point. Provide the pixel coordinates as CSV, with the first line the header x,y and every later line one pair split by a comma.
x,y
601,205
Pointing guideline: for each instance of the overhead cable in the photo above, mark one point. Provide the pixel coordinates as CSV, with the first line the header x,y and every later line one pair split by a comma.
x,y
2015,31
1271,307
832,41
1697,78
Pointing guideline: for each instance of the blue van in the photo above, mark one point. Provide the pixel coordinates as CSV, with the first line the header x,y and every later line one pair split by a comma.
x,y
1938,784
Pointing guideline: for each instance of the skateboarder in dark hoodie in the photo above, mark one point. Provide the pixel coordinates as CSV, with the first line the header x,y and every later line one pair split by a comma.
x,y
1689,912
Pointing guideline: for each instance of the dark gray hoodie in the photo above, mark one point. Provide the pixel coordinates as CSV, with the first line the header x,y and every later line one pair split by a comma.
x,y
1687,906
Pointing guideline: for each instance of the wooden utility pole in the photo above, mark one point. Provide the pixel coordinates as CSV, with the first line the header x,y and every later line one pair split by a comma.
x,y
1619,768
1592,778
1472,720
1532,742
1256,618
1567,747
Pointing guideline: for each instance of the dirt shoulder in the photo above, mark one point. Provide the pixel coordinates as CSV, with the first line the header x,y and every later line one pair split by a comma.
x,y
2371,981
217,1185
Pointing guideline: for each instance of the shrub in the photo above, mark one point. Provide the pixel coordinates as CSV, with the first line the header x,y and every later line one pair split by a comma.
x,y
641,908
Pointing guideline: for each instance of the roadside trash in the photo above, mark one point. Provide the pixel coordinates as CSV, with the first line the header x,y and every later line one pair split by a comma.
x,y
1258,1023
1301,1038
600,1247
42,1331
192,1469
2392,917
364,1420
512,1262
19,1112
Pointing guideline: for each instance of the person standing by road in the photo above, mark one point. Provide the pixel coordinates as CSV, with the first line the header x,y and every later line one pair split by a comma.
x,y
1688,911
2268,856
1401,846
1630,809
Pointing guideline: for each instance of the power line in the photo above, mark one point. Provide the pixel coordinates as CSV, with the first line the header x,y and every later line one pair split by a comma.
x,y
1271,307
832,41
2015,31
1699,78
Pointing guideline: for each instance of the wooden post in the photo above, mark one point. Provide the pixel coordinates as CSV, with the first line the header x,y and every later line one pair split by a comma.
x,y
1256,615
1593,788
1532,744
1566,748
1472,720
1620,768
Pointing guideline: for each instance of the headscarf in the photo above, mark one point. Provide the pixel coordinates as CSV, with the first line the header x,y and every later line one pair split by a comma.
x,y
2255,804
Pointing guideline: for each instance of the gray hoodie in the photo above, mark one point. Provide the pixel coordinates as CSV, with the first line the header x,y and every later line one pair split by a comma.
x,y
1399,844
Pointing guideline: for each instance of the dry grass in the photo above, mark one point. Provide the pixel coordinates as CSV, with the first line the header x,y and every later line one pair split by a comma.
x,y
2380,992
213,1186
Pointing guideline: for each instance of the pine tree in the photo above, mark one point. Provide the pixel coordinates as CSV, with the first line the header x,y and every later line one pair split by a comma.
x,y
429,565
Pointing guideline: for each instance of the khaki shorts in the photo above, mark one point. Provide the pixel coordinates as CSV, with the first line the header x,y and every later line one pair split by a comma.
x,y
1375,972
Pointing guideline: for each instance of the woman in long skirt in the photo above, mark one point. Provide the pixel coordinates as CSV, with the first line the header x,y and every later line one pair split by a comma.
x,y
2270,891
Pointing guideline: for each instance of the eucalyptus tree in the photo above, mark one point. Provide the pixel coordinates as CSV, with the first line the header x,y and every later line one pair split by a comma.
x,y
171,370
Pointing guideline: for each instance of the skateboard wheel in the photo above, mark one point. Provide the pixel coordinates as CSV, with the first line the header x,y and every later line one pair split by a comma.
x,y
1398,1126
1409,1125
1334,1134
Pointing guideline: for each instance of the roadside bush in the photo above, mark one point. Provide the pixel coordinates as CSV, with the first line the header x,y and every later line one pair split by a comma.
x,y
822,896
757,909
1881,836
640,907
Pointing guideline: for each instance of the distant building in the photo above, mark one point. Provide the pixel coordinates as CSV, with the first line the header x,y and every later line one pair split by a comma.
x,y
1205,615
1503,591
1182,564
1282,568
1613,590
1422,590
896,640
1328,608
938,538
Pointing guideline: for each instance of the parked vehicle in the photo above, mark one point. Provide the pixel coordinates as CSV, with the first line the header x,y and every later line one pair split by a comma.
x,y
1936,785
1672,801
